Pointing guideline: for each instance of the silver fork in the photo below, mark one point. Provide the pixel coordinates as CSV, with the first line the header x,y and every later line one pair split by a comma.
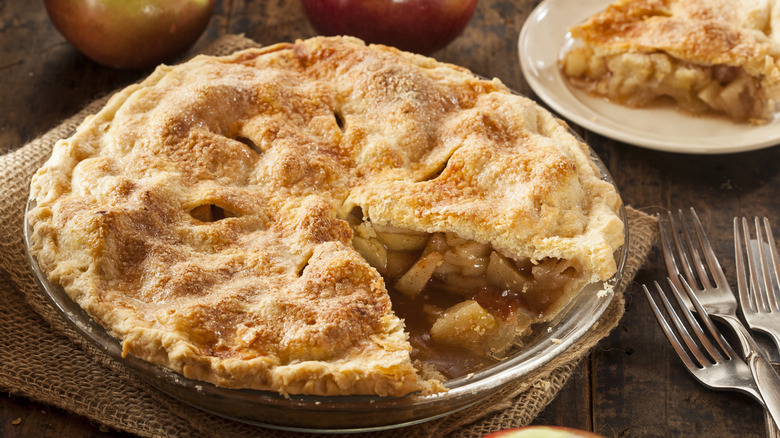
x,y
760,299
683,256
718,368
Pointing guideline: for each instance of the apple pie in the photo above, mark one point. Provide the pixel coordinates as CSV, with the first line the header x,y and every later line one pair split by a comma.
x,y
322,217
704,56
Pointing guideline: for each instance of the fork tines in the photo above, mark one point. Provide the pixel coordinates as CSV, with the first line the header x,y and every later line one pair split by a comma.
x,y
762,266
689,253
680,330
718,368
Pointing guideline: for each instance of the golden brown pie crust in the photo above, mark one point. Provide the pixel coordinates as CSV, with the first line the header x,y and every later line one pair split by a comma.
x,y
736,37
200,216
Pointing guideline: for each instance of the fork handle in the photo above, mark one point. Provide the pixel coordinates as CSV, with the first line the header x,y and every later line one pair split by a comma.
x,y
768,384
767,380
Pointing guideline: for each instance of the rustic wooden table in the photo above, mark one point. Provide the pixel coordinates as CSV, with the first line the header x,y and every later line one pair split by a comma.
x,y
631,385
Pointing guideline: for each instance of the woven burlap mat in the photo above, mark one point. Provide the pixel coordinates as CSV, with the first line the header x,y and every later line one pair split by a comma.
x,y
43,359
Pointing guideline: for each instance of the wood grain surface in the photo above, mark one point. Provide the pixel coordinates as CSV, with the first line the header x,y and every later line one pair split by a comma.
x,y
631,385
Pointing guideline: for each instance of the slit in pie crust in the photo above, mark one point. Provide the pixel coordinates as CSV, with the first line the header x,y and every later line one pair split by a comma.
x,y
322,217
716,57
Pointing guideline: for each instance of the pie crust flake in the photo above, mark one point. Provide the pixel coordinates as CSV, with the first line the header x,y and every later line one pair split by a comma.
x,y
706,56
322,217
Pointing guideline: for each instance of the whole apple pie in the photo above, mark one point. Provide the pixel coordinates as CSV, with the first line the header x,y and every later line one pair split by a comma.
x,y
706,56
322,217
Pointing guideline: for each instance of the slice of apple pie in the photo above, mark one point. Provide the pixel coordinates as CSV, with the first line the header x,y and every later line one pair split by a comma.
x,y
718,56
323,218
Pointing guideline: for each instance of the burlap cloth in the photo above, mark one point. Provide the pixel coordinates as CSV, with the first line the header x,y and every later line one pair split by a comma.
x,y
43,359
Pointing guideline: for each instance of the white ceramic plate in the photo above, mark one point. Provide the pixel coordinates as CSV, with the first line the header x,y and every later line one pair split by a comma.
x,y
544,34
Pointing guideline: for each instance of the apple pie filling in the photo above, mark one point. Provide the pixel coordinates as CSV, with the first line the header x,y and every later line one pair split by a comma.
x,y
463,302
637,79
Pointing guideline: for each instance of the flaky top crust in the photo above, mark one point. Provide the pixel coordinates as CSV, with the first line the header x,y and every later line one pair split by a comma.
x,y
286,140
706,32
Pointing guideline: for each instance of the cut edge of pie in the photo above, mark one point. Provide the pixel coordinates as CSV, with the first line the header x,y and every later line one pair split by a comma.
x,y
718,57
228,217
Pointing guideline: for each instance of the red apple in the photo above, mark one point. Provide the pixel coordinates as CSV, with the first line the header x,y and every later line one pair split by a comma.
x,y
542,432
131,34
421,26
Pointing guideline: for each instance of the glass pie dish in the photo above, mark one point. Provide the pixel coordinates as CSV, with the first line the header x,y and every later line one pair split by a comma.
x,y
353,413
